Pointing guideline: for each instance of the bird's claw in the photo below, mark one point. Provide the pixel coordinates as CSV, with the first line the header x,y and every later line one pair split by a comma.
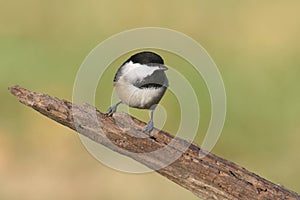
x,y
111,110
149,127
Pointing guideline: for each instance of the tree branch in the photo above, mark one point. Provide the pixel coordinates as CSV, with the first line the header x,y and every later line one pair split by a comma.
x,y
203,173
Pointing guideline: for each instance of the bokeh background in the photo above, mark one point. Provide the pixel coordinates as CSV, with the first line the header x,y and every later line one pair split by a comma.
x,y
42,44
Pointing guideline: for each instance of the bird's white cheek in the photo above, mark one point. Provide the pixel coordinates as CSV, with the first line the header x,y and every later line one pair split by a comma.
x,y
136,72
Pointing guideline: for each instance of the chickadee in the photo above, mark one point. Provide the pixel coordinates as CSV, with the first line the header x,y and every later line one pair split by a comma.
x,y
140,83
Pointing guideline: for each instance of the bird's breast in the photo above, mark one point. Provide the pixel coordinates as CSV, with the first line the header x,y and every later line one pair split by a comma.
x,y
137,97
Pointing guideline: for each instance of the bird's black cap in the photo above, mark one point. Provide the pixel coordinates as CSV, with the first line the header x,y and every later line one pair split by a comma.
x,y
146,57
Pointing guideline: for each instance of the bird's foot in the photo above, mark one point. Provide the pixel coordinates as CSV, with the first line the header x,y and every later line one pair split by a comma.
x,y
111,110
149,127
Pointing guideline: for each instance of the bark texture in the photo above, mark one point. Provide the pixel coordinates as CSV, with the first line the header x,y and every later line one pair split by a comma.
x,y
206,175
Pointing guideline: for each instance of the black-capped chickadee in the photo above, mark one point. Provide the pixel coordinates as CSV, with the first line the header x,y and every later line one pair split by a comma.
x,y
141,83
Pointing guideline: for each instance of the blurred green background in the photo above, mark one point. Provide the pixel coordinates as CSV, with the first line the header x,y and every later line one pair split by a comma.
x,y
42,44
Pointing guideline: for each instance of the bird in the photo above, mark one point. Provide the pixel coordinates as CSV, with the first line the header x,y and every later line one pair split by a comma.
x,y
141,82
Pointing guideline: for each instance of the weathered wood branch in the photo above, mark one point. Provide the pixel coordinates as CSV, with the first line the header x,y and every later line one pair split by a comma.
x,y
204,174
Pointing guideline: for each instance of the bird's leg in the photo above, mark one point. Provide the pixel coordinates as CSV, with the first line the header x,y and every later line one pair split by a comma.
x,y
111,110
149,127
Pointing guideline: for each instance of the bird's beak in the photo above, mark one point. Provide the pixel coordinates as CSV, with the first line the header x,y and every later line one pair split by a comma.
x,y
163,68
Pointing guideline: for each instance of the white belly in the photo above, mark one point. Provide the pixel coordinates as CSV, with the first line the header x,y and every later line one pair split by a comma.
x,y
139,98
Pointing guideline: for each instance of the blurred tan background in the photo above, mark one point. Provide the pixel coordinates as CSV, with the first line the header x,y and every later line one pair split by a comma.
x,y
42,44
